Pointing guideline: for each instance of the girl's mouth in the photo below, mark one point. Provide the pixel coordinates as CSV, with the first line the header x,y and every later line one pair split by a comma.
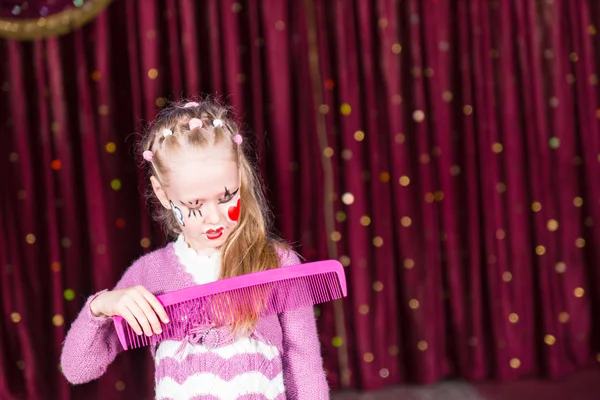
x,y
214,234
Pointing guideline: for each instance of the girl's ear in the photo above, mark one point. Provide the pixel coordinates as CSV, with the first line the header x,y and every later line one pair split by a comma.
x,y
159,192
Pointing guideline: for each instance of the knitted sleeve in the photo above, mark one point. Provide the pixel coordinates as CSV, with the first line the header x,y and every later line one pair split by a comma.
x,y
92,344
303,373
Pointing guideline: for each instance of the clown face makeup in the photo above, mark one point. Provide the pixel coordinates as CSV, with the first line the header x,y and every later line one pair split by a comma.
x,y
204,193
193,208
233,212
178,214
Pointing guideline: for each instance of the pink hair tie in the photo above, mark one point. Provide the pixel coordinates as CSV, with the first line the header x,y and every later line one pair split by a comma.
x,y
237,138
191,104
148,155
195,123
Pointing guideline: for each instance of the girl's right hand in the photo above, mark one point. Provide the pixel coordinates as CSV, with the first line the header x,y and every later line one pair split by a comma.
x,y
136,305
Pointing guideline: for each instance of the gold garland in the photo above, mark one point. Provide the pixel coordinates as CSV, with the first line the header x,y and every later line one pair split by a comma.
x,y
54,25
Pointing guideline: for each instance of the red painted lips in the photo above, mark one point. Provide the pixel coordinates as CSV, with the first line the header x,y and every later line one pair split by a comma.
x,y
213,234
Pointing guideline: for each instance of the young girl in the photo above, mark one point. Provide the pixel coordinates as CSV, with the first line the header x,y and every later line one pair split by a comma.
x,y
213,204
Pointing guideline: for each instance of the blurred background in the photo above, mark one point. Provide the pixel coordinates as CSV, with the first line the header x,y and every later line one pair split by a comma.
x,y
447,152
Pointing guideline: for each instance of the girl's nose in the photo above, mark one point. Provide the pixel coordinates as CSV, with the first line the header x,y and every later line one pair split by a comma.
x,y
211,214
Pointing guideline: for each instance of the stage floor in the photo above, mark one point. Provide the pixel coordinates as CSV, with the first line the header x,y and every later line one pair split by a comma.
x,y
582,385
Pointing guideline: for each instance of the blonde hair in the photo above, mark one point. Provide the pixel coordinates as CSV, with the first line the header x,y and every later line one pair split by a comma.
x,y
251,246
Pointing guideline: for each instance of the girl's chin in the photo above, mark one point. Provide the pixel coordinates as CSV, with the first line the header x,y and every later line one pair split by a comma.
x,y
210,242
208,247
213,243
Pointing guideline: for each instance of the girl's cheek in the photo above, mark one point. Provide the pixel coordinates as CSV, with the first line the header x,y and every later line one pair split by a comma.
x,y
233,212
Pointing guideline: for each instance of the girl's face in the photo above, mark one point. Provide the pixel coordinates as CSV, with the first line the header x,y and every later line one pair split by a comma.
x,y
204,194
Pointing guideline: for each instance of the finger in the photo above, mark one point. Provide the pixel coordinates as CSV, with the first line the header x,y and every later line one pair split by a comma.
x,y
141,317
155,304
130,318
149,313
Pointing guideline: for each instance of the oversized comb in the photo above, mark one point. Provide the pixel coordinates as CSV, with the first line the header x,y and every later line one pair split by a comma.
x,y
261,294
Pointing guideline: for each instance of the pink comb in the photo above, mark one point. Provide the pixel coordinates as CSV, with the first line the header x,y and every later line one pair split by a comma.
x,y
261,293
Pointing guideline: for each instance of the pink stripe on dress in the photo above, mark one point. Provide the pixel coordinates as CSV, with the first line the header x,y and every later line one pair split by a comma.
x,y
226,369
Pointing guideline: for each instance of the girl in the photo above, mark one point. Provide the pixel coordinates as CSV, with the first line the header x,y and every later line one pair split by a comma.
x,y
213,204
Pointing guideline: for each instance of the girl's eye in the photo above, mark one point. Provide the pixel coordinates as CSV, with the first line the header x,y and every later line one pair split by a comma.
x,y
193,208
193,211
228,196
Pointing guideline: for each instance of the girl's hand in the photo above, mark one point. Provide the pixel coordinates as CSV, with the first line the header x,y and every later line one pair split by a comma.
x,y
136,305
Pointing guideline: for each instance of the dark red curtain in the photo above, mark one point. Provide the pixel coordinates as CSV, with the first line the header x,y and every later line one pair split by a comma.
x,y
447,152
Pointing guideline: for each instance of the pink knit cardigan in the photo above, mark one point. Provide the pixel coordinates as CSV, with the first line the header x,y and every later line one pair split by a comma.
x,y
92,344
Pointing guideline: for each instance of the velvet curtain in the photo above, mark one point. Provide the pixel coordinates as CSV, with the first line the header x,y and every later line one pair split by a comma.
x,y
446,152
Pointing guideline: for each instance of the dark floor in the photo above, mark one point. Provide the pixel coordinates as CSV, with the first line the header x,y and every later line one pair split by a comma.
x,y
583,385
440,391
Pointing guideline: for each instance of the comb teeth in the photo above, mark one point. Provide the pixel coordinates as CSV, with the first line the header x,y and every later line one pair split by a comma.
x,y
222,308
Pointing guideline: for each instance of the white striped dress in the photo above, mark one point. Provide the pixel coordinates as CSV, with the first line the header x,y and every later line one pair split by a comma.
x,y
247,369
